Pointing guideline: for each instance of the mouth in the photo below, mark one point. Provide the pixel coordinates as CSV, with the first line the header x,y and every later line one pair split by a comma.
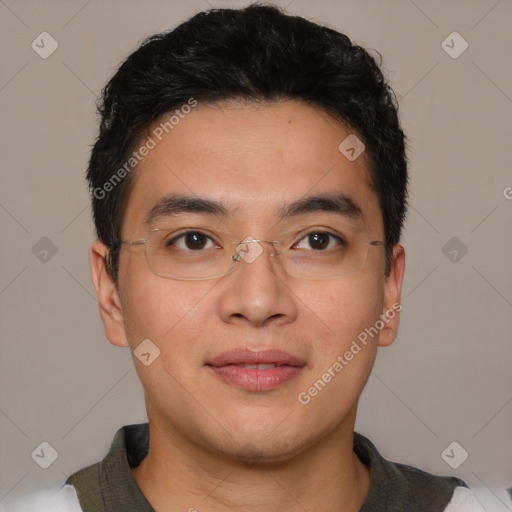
x,y
256,371
259,366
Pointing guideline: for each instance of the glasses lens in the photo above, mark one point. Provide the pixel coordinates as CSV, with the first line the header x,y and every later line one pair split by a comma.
x,y
324,263
187,255
195,255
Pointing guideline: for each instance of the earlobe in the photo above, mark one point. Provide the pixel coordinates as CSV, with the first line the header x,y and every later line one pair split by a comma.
x,y
392,298
108,296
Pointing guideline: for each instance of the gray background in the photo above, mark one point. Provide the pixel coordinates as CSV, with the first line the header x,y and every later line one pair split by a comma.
x,y
446,378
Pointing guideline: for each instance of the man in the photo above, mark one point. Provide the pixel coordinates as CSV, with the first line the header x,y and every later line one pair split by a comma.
x,y
249,188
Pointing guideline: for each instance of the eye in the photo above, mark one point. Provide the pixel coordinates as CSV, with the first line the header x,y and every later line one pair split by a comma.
x,y
192,241
319,241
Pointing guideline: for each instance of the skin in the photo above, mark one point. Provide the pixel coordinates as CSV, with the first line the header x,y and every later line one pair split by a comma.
x,y
214,446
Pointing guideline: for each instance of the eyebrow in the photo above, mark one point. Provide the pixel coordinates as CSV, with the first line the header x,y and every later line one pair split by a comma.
x,y
340,204
175,204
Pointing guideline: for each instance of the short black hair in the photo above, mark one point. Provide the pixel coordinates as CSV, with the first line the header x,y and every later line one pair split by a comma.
x,y
258,53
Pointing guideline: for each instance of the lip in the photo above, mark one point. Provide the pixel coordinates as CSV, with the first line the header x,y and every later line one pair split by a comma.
x,y
229,366
246,356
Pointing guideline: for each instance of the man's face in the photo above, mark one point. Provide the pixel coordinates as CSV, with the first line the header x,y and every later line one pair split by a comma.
x,y
253,161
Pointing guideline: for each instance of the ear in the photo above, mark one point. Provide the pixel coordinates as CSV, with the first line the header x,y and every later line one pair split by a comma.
x,y
108,296
392,296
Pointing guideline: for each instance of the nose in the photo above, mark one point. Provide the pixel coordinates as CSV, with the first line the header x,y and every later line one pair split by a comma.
x,y
257,291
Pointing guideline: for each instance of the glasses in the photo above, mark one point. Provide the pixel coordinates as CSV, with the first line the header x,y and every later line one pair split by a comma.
x,y
192,254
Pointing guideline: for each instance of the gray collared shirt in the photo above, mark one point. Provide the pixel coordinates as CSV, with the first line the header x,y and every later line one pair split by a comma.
x,y
109,485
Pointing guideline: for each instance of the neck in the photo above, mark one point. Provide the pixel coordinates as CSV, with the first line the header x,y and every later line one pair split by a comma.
x,y
179,475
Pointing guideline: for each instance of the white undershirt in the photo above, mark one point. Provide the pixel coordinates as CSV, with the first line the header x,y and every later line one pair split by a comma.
x,y
463,500
66,500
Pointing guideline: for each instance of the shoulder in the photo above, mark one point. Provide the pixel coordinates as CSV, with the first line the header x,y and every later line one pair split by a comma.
x,y
396,486
63,499
388,474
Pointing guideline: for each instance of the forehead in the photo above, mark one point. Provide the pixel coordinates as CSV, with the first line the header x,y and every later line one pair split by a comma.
x,y
252,158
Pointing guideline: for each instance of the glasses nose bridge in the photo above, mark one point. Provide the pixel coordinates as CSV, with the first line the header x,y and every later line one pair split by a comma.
x,y
251,248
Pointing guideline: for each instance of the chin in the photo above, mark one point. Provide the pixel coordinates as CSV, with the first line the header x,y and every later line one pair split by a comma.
x,y
256,440
264,452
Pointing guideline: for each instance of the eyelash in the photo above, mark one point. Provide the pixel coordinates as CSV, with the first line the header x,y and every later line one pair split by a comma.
x,y
182,236
338,238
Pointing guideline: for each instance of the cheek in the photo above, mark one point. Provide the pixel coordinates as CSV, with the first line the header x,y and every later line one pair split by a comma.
x,y
342,362
171,315
162,310
342,309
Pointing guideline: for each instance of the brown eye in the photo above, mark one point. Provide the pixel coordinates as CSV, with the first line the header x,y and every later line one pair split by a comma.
x,y
319,241
191,240
195,240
